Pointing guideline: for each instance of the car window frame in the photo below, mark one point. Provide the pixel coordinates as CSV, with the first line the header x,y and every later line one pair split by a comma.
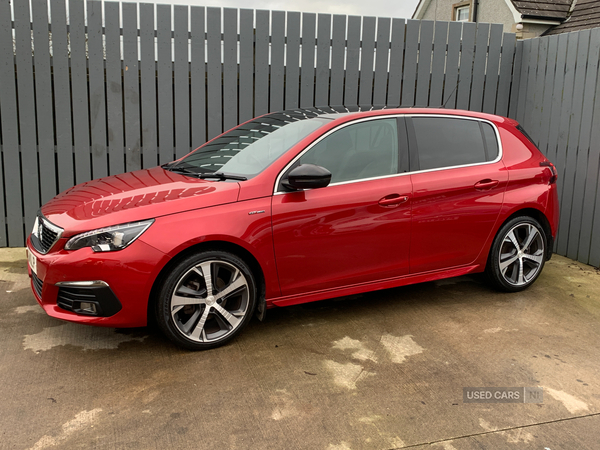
x,y
414,148
406,137
403,161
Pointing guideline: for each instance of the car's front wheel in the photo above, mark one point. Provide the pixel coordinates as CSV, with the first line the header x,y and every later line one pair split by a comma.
x,y
206,300
517,255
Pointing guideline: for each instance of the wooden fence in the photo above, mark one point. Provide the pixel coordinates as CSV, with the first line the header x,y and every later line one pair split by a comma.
x,y
557,99
82,96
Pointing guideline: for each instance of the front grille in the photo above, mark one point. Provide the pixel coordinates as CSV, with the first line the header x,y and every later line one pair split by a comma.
x,y
37,284
45,234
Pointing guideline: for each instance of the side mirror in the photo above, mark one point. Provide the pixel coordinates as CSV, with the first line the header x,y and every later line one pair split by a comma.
x,y
307,176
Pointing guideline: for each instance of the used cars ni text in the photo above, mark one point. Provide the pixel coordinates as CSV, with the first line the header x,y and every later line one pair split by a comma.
x,y
294,207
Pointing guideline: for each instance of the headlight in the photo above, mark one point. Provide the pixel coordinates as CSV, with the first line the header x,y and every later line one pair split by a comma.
x,y
109,239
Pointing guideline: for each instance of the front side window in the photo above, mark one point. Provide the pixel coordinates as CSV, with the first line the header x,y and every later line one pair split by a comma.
x,y
250,148
447,142
363,150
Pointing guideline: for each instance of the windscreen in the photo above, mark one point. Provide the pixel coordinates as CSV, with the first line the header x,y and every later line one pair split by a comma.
x,y
250,148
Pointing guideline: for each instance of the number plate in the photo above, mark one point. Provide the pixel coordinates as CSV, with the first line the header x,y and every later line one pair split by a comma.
x,y
32,261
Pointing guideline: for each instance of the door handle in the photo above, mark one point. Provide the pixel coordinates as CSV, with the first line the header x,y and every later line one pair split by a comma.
x,y
486,184
393,200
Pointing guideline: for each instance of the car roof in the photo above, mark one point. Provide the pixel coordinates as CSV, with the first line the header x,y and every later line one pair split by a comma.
x,y
346,113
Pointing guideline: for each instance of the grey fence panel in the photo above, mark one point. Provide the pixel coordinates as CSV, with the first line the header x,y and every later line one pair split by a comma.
x,y
131,100
277,60
352,61
409,74
424,63
246,76
28,135
506,71
380,82
479,61
307,75
583,149
557,97
592,142
490,91
365,90
438,64
548,91
96,89
214,72
591,232
574,130
516,79
181,77
147,91
230,68
10,137
396,62
466,65
114,84
452,62
62,95
534,123
261,58
530,87
79,91
323,52
292,69
43,103
198,76
524,78
338,50
563,137
164,83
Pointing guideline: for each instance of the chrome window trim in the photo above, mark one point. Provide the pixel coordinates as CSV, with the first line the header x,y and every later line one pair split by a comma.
x,y
448,116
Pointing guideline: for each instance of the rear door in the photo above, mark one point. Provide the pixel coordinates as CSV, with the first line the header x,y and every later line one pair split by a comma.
x,y
458,189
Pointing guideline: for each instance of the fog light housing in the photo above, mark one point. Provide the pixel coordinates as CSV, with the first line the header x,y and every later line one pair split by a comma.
x,y
88,308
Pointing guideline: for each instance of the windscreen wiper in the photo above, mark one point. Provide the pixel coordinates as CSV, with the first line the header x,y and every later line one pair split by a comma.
x,y
221,176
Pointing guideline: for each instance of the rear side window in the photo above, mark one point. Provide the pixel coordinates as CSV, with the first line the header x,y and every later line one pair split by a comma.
x,y
448,141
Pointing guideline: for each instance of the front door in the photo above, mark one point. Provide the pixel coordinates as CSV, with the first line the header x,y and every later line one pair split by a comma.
x,y
357,229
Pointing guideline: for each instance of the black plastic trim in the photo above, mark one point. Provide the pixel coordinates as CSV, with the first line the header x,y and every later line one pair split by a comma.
x,y
70,298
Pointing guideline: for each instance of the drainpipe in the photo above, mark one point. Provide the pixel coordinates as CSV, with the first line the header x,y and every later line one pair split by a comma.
x,y
475,9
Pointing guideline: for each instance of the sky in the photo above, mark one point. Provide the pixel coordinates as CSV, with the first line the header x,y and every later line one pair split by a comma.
x,y
378,8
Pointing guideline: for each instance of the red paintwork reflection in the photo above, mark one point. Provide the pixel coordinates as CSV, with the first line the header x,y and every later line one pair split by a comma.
x,y
133,196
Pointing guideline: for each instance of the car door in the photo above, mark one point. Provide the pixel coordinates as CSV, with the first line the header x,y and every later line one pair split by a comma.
x,y
458,189
357,229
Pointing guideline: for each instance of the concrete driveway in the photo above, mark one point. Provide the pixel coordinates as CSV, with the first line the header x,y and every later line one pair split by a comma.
x,y
378,371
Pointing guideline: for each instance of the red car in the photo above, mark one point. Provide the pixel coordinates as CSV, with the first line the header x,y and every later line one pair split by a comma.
x,y
294,207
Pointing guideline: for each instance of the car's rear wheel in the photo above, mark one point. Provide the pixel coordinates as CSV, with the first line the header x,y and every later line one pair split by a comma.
x,y
517,255
206,300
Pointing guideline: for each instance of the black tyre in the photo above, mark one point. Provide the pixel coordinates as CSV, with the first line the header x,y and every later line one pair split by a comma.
x,y
206,300
517,255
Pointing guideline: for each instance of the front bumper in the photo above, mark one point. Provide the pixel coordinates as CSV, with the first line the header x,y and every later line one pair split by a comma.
x,y
127,275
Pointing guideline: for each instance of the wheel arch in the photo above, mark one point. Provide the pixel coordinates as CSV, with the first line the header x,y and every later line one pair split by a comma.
x,y
226,246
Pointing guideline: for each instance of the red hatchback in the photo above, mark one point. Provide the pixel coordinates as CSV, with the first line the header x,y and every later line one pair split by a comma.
x,y
294,207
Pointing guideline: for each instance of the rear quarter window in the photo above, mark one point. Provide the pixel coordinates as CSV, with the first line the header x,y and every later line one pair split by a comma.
x,y
448,141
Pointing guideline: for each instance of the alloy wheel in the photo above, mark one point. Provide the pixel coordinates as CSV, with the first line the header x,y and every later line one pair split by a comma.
x,y
210,301
521,254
